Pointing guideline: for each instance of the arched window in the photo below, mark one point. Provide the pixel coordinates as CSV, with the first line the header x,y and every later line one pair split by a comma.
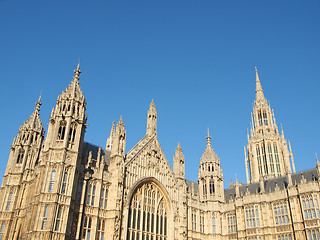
x,y
260,118
264,157
100,228
58,219
259,159
20,155
64,182
211,187
271,158
87,222
91,194
147,214
72,133
104,197
45,217
51,183
62,130
9,201
204,187
2,229
276,155
265,119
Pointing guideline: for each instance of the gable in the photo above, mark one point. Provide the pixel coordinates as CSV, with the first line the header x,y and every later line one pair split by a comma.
x,y
146,159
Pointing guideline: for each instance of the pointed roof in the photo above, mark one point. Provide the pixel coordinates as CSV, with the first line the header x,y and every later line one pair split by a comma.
x,y
259,91
209,155
34,121
152,105
178,148
74,89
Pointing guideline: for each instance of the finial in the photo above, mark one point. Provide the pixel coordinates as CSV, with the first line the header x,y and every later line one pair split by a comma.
x,y
179,147
236,178
208,138
78,67
256,69
77,71
317,159
152,104
38,103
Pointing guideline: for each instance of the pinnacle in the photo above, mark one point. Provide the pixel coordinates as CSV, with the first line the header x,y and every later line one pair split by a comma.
x,y
77,71
152,104
259,91
38,103
179,147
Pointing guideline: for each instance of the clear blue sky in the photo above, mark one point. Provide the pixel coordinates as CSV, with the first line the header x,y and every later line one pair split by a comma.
x,y
195,58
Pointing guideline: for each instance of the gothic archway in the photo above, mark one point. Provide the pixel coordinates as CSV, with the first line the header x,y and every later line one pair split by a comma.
x,y
148,214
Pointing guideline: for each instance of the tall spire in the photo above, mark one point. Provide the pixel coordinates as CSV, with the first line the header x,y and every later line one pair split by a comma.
x,y
259,91
265,138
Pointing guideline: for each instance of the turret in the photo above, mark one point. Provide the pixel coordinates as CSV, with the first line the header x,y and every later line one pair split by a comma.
x,y
152,120
68,119
178,163
210,175
26,145
17,186
267,153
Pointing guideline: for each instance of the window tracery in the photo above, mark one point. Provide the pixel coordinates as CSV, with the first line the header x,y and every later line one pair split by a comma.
x,y
147,218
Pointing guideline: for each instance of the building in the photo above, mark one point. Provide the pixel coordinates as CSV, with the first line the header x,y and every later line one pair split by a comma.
x,y
60,187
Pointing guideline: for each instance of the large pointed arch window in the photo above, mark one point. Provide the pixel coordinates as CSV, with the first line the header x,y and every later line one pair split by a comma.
x,y
148,214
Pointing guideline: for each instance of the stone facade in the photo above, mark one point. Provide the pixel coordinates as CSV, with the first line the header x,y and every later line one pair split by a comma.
x,y
61,187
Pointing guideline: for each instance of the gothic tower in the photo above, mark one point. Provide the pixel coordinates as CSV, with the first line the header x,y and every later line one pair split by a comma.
x,y
60,164
210,175
267,155
20,172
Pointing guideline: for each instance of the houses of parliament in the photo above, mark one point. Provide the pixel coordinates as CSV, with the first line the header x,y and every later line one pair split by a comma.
x,y
57,186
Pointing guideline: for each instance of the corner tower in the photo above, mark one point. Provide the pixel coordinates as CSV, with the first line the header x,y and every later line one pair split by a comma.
x,y
267,155
20,174
61,165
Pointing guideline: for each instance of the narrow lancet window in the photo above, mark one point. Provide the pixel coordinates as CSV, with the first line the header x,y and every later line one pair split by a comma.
x,y
58,219
51,183
64,182
72,133
62,130
20,155
9,201
271,158
276,156
259,159
265,118
45,217
260,118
